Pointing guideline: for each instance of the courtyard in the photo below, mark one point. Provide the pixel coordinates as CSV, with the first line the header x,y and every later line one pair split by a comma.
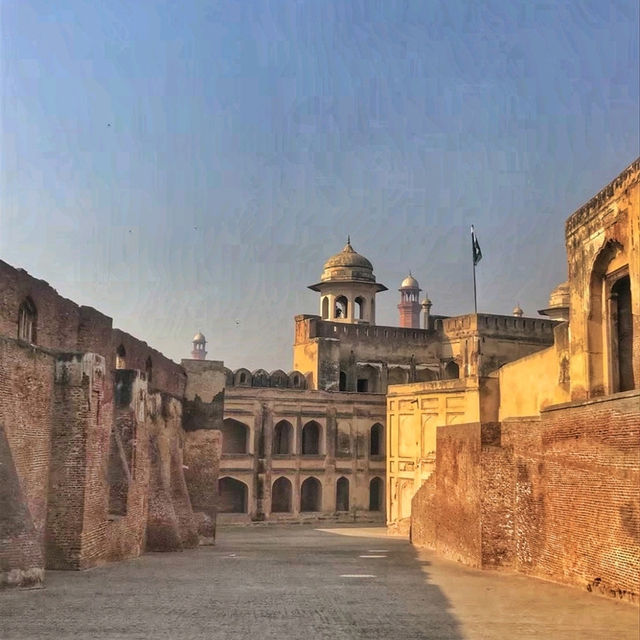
x,y
308,583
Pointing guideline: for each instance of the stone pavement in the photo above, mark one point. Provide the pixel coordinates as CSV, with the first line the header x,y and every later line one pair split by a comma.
x,y
304,583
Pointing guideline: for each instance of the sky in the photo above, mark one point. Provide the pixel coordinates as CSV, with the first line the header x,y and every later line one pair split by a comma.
x,y
186,166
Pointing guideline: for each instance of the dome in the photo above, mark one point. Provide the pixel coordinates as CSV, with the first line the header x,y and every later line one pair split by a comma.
x,y
199,338
558,308
559,296
410,283
348,258
517,311
347,266
425,303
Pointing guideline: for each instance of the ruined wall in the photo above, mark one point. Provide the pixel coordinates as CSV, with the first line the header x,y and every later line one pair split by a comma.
x,y
26,391
203,415
91,456
79,427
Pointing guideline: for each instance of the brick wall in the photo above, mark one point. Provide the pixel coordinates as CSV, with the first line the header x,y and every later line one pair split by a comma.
x,y
423,525
577,502
556,497
26,393
458,493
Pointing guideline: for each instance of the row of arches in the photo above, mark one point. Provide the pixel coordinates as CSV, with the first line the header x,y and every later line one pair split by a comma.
x,y
261,378
235,438
342,308
233,494
368,378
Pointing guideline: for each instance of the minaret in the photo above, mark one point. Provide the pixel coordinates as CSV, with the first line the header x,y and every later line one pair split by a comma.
x,y
426,313
409,306
199,347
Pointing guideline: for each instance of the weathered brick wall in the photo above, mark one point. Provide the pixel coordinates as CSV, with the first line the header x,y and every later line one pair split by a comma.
x,y
497,498
57,321
26,393
170,521
556,497
577,507
76,416
64,326
21,553
458,493
202,453
423,514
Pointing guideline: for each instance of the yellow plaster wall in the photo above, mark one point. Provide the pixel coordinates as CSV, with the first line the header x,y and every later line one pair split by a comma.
x,y
414,412
531,384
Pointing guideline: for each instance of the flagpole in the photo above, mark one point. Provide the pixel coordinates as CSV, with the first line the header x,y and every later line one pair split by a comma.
x,y
473,259
475,299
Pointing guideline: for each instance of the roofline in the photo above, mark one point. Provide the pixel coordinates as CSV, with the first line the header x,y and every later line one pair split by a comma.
x,y
319,285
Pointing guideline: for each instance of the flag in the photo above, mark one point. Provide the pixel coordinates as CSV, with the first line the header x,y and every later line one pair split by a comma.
x,y
477,253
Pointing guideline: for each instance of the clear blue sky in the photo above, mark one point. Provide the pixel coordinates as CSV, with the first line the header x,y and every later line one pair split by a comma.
x,y
191,165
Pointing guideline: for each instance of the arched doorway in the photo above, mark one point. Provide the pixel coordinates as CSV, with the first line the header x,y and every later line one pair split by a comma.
x,y
621,331
311,495
282,436
451,371
232,496
281,496
342,494
375,494
234,436
311,438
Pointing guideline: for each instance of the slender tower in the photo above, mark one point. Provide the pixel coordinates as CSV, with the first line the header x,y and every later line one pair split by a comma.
x,y
409,306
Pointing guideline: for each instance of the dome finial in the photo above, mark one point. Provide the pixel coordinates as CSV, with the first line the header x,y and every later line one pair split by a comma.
x,y
349,239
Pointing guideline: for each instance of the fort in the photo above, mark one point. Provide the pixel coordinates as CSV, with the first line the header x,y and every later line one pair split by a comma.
x,y
499,441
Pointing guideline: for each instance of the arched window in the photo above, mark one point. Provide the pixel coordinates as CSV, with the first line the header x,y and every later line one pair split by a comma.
x,y
311,495
343,381
360,307
232,496
375,494
121,357
311,438
341,309
375,445
451,371
282,433
27,316
325,308
148,368
281,496
234,436
243,378
342,494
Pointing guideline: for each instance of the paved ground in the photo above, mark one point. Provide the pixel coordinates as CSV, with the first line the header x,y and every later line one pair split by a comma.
x,y
270,582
